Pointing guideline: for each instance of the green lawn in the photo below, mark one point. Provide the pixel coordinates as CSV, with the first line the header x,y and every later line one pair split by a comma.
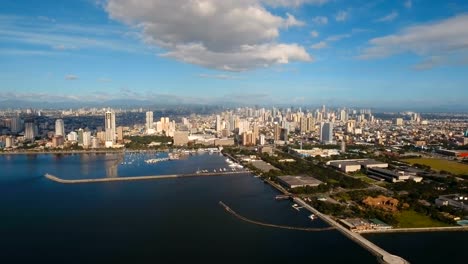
x,y
441,164
411,219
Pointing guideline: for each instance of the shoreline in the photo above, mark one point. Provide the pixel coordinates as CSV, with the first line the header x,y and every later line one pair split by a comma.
x,y
120,151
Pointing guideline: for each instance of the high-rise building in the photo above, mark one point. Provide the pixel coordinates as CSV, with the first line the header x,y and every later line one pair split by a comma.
x,y
343,115
72,136
59,127
276,132
262,139
80,136
110,128
398,121
86,139
16,125
326,133
30,130
9,142
149,120
218,123
120,134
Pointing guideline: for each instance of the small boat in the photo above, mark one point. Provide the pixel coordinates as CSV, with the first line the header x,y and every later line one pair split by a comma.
x,y
312,217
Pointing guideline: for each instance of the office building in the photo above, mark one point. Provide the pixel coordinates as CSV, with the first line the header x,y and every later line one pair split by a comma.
x,y
326,133
16,125
59,127
110,129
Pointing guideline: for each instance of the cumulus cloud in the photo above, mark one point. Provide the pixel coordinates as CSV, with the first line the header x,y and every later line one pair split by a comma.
x,y
441,39
71,77
293,3
227,35
320,20
388,18
320,45
341,16
314,33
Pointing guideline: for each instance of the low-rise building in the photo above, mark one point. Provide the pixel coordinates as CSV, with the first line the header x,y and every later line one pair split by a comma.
x,y
453,200
353,165
392,176
299,181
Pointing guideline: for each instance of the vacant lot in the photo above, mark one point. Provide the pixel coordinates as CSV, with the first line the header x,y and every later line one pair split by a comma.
x,y
411,219
442,164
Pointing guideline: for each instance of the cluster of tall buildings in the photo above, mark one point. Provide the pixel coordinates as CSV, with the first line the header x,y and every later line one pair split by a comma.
x,y
164,126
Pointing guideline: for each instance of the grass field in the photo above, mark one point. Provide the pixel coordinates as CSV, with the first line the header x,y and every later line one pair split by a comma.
x,y
442,164
411,219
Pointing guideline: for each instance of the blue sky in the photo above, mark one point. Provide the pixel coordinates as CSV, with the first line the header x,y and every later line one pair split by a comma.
x,y
338,52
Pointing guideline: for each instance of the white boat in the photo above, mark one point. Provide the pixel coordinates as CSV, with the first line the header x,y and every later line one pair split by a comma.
x,y
312,217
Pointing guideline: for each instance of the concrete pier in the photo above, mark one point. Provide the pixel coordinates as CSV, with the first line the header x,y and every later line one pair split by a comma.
x,y
140,178
383,255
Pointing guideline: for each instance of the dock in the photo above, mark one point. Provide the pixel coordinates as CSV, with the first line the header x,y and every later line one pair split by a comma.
x,y
383,256
141,178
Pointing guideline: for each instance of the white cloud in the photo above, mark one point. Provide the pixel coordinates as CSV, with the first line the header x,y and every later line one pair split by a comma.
x,y
218,76
320,20
71,77
41,33
247,57
320,45
445,38
408,4
314,33
227,35
388,18
293,3
291,21
342,16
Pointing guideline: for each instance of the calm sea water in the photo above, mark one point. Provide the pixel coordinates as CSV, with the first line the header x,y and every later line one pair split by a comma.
x,y
170,220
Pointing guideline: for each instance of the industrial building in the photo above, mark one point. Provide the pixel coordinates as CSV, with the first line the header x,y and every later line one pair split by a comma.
x,y
392,176
353,165
454,200
299,181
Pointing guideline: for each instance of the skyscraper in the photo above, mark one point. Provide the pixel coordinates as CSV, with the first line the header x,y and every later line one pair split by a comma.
x,y
326,133
110,128
59,128
16,125
218,123
149,120
30,130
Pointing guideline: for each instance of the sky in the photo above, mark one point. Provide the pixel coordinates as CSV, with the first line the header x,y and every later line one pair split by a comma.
x,y
296,52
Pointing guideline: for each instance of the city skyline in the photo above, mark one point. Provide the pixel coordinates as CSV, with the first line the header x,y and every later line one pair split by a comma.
x,y
305,52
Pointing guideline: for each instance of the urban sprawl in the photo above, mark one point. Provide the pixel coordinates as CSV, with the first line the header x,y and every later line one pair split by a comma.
x,y
372,172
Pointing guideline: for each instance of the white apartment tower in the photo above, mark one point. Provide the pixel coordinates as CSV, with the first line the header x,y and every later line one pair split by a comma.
x,y
149,120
